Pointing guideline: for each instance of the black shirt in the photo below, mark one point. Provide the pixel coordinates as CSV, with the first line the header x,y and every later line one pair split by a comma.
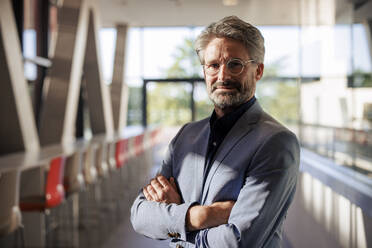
x,y
219,129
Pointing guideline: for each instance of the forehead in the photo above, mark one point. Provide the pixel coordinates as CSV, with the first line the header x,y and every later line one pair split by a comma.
x,y
225,48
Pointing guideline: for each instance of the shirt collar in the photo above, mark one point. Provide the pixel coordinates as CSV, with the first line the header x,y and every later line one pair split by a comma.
x,y
226,122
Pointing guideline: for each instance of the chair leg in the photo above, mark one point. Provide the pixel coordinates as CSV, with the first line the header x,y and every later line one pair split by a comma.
x,y
18,238
22,234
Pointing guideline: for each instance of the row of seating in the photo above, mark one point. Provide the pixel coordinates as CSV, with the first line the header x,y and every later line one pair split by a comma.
x,y
97,163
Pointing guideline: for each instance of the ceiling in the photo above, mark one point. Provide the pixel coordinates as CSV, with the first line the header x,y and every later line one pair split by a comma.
x,y
196,12
258,12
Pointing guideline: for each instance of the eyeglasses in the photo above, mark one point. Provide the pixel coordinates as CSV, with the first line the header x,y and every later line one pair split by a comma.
x,y
234,67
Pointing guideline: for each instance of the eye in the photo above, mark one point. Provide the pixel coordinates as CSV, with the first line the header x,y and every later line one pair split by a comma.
x,y
214,66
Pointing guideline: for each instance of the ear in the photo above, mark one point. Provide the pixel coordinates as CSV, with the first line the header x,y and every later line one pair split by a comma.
x,y
259,71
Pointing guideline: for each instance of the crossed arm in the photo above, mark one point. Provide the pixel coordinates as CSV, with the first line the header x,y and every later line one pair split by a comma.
x,y
197,217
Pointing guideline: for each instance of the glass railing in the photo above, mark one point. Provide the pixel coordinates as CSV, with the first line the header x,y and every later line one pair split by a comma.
x,y
346,146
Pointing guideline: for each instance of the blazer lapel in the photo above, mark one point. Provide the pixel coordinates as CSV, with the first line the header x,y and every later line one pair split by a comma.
x,y
200,150
243,126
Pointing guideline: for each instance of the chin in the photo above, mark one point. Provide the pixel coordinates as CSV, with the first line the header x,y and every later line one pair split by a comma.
x,y
224,101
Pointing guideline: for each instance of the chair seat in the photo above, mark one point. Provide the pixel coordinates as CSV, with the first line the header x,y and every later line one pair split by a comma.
x,y
54,191
33,203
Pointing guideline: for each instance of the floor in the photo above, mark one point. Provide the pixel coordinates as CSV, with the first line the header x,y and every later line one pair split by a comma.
x,y
124,236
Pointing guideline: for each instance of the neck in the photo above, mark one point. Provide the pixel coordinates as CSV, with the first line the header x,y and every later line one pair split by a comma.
x,y
221,112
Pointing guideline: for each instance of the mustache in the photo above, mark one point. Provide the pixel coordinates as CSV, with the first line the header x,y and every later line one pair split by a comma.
x,y
232,84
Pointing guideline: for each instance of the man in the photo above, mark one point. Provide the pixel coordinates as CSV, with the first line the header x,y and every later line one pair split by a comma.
x,y
228,180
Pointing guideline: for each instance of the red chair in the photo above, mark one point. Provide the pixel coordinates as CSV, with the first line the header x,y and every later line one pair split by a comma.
x,y
54,190
154,136
121,155
138,144
53,196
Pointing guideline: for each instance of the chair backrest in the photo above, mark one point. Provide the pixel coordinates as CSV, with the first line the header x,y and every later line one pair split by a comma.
x,y
121,152
10,216
73,175
138,143
54,191
101,161
89,162
111,161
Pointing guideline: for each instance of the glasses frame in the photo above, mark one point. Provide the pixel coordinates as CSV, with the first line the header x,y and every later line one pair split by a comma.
x,y
244,63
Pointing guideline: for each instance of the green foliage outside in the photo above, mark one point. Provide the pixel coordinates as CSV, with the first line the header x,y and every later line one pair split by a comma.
x,y
186,62
278,97
361,78
168,103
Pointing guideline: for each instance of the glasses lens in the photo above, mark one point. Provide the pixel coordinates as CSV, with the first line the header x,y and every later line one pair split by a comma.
x,y
235,66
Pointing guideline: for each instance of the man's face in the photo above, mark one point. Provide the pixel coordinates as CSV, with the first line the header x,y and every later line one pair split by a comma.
x,y
224,89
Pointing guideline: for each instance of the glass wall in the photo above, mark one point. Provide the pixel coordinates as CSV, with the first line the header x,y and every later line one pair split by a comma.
x,y
336,107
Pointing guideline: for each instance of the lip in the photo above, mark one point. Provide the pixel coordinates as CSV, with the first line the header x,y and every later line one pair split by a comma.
x,y
226,88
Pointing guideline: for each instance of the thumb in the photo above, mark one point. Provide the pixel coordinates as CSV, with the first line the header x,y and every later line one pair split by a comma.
x,y
173,183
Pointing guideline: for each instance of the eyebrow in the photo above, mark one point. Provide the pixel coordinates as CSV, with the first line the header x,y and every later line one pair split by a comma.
x,y
216,60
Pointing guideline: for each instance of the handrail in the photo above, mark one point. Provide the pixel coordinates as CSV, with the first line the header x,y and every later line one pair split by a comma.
x,y
340,143
27,160
356,187
40,61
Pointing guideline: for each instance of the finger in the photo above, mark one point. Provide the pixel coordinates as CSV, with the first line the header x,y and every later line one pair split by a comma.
x,y
173,183
146,194
163,181
152,192
156,185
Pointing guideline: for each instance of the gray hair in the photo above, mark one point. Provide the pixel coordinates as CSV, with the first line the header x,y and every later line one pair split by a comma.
x,y
234,28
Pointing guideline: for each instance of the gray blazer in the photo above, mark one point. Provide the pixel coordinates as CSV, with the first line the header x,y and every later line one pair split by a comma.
x,y
256,165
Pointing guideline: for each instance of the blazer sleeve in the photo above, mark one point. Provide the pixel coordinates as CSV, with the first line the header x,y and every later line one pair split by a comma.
x,y
263,200
159,220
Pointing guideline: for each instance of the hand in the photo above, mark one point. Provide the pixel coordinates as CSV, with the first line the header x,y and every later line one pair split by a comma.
x,y
201,217
162,190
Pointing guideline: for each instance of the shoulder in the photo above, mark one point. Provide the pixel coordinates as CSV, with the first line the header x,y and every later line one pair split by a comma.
x,y
198,124
266,126
276,136
276,139
194,127
191,130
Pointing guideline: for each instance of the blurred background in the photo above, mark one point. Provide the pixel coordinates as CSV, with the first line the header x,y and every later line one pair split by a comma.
x,y
102,78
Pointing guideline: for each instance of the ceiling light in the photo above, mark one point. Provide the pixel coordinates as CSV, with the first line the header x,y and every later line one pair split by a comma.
x,y
230,2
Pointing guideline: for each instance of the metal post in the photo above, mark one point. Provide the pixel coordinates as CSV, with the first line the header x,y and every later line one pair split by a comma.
x,y
144,104
192,102
18,9
42,30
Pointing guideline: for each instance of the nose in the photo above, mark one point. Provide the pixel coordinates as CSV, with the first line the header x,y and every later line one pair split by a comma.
x,y
223,73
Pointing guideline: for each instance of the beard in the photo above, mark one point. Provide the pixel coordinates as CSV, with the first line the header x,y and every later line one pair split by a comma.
x,y
242,93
